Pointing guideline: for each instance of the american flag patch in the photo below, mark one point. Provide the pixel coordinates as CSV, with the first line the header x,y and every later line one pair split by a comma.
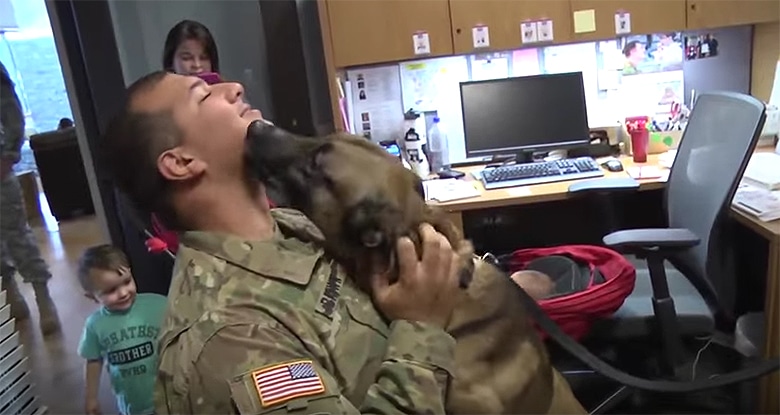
x,y
281,383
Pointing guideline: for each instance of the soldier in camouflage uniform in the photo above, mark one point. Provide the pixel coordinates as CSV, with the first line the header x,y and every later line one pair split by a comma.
x,y
18,248
259,319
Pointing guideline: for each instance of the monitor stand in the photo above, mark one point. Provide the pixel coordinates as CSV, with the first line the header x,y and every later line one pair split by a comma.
x,y
504,159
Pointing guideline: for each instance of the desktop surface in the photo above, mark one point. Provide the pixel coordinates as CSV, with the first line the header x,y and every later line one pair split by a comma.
x,y
536,193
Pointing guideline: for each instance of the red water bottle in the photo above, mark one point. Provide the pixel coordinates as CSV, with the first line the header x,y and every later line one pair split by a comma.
x,y
640,137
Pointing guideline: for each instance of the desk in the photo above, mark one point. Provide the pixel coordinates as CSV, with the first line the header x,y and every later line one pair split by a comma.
x,y
538,193
770,385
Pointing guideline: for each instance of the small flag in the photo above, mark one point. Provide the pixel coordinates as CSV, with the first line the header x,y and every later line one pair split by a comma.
x,y
281,383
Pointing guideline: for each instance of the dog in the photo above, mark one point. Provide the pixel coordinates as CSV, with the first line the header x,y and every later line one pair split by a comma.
x,y
362,199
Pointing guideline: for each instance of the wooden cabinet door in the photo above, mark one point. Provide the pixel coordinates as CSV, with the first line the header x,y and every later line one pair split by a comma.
x,y
373,31
706,14
503,18
646,17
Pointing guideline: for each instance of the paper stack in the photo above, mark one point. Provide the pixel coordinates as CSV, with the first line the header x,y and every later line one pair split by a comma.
x,y
759,202
763,170
445,190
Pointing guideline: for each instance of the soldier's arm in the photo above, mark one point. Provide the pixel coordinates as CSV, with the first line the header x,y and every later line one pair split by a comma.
x,y
246,369
12,119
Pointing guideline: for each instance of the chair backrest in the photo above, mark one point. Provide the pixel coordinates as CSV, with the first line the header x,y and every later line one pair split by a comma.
x,y
716,146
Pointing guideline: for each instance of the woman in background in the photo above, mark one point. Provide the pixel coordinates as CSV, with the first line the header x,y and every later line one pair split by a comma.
x,y
190,49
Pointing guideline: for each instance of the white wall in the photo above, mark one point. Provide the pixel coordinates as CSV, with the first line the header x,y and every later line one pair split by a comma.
x,y
140,27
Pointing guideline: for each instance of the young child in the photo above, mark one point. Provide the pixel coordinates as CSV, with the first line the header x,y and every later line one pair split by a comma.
x,y
122,332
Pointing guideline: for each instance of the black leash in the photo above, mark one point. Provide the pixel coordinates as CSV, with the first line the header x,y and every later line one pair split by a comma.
x,y
601,367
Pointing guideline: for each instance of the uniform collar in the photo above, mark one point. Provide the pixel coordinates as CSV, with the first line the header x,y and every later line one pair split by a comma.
x,y
281,257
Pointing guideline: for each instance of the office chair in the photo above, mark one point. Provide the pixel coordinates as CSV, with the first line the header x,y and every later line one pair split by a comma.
x,y
688,285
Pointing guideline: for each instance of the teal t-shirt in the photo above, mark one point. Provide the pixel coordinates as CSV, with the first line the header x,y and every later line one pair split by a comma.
x,y
126,341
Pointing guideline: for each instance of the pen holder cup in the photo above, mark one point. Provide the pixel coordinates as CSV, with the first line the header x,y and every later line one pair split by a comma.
x,y
639,145
663,141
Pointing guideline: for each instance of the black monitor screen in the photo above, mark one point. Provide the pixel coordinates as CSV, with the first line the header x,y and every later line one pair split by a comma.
x,y
530,113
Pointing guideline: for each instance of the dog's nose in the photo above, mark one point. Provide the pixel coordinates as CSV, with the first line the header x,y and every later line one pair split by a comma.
x,y
372,238
259,128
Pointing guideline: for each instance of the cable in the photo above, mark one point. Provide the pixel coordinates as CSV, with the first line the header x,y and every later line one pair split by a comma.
x,y
698,356
666,386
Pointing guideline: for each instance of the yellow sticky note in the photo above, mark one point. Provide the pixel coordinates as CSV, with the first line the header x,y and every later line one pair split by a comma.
x,y
584,21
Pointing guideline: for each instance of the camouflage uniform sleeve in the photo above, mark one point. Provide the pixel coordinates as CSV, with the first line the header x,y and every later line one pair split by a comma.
x,y
12,120
416,372
238,371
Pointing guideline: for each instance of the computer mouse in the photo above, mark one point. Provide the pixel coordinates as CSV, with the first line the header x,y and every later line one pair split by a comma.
x,y
613,165
450,174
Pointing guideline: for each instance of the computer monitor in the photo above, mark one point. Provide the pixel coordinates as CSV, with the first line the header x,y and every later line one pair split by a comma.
x,y
522,115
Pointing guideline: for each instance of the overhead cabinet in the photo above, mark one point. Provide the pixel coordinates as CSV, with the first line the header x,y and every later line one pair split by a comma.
x,y
372,31
365,32
503,20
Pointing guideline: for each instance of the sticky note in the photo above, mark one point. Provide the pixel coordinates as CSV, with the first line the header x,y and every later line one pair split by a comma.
x,y
585,21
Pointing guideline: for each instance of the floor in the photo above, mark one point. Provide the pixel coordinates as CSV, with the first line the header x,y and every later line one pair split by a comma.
x,y
58,371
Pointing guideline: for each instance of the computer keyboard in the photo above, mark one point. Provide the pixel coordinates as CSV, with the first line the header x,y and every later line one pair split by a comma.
x,y
541,172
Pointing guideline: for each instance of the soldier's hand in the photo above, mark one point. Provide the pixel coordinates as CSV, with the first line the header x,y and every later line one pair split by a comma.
x,y
426,290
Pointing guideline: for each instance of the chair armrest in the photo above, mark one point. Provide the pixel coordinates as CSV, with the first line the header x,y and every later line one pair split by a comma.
x,y
652,238
604,185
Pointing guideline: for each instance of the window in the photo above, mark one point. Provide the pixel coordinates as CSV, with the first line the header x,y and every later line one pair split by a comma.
x,y
28,51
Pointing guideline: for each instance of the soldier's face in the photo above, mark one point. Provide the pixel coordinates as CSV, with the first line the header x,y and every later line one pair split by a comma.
x,y
213,119
113,289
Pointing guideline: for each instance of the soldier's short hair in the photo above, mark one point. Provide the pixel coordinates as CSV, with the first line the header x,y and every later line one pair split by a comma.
x,y
100,257
130,147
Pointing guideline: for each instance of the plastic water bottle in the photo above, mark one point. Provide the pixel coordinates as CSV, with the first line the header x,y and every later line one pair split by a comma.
x,y
415,153
438,147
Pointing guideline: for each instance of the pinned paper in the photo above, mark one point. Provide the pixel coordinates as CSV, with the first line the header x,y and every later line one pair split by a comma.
x,y
544,30
480,36
422,43
528,32
585,21
622,23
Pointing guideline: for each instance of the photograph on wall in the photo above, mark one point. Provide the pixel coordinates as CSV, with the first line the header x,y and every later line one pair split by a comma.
x,y
660,52
700,46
